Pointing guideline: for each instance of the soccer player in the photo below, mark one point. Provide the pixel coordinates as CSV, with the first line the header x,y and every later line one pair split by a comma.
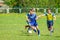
x,y
28,26
50,17
31,18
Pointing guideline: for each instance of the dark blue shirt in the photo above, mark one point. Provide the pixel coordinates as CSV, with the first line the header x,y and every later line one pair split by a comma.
x,y
32,17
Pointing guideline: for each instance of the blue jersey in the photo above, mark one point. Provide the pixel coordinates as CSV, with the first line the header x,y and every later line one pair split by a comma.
x,y
32,17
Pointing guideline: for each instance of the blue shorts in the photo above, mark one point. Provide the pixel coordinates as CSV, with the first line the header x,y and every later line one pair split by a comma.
x,y
49,23
33,24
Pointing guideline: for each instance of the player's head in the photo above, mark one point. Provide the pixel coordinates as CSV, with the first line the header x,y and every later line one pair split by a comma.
x,y
31,11
49,11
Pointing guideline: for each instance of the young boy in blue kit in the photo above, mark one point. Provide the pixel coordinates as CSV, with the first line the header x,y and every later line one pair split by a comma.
x,y
31,19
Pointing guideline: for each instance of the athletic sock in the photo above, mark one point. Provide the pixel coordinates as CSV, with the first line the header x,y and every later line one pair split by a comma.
x,y
34,30
38,32
51,32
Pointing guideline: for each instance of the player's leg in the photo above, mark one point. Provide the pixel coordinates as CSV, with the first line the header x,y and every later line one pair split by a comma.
x,y
38,31
50,27
51,30
28,27
32,26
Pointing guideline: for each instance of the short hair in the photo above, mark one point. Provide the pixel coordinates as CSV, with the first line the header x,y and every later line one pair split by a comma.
x,y
48,9
32,9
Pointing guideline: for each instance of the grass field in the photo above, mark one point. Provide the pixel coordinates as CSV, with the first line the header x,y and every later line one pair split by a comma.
x,y
12,28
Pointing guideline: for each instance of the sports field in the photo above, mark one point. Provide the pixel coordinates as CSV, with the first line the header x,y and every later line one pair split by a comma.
x,y
12,28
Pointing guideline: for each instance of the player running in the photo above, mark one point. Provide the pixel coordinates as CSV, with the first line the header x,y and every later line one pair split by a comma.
x,y
31,18
50,16
28,26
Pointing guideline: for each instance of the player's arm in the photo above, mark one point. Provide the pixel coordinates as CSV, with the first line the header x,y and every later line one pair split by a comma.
x,y
36,17
54,17
40,16
45,14
27,19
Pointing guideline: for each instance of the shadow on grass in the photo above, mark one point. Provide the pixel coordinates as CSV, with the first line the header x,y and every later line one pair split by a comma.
x,y
57,36
49,35
45,35
25,33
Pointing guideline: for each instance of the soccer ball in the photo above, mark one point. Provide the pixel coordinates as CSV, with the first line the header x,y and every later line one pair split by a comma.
x,y
30,31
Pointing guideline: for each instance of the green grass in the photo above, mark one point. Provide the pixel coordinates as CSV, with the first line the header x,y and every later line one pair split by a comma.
x,y
12,28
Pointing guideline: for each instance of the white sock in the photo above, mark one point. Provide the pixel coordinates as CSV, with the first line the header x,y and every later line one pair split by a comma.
x,y
51,32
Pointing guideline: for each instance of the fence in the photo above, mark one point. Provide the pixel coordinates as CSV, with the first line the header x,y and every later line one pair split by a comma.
x,y
22,10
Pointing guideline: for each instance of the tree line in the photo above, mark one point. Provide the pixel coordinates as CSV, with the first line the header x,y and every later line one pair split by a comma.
x,y
33,3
